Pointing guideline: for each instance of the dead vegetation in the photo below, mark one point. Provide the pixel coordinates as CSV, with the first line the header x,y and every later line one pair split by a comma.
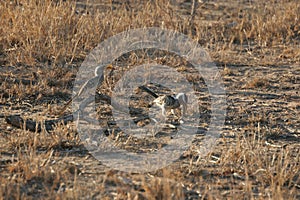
x,y
256,48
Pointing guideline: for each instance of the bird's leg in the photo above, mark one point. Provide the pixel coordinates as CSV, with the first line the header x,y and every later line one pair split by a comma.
x,y
184,108
163,111
173,112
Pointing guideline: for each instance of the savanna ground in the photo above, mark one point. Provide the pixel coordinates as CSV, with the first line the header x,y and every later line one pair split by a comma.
x,y
256,47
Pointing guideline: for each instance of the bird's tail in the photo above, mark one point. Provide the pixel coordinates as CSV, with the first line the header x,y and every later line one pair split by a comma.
x,y
149,91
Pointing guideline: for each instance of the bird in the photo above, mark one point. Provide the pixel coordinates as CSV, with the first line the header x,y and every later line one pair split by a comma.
x,y
168,102
172,102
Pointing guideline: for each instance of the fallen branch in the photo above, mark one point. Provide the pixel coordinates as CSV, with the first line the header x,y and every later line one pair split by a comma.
x,y
28,124
48,125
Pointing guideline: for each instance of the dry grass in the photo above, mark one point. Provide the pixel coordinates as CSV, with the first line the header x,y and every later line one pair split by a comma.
x,y
49,31
256,46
